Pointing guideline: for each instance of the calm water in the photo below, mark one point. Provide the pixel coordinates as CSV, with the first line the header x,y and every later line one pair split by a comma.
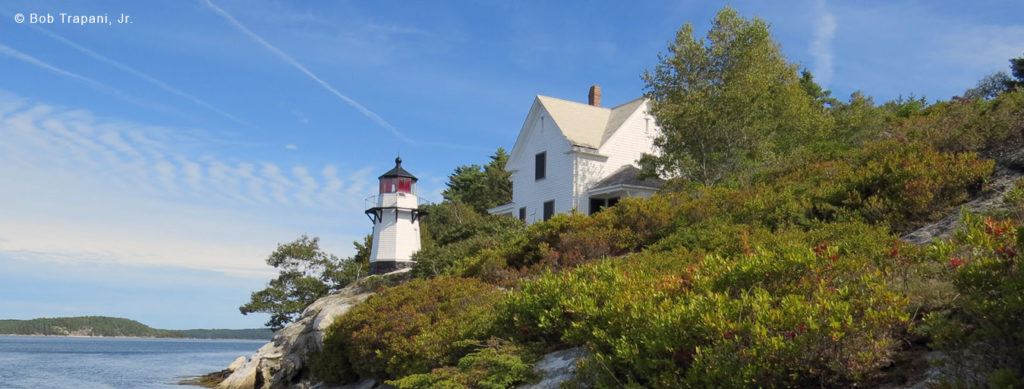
x,y
58,362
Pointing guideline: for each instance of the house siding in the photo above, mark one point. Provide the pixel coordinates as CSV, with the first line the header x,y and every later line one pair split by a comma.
x,y
634,138
630,142
542,135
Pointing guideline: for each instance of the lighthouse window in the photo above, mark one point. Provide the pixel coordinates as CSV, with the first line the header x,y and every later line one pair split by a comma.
x,y
387,185
405,185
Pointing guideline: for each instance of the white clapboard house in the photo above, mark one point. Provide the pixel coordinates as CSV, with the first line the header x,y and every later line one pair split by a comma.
x,y
575,156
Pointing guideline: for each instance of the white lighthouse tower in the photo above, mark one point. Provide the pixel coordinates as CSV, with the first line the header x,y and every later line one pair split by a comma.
x,y
395,216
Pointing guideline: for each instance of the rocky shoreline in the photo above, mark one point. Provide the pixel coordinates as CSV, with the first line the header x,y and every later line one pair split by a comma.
x,y
284,362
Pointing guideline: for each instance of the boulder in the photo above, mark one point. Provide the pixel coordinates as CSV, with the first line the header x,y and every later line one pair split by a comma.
x,y
1013,160
555,368
1002,181
238,363
284,362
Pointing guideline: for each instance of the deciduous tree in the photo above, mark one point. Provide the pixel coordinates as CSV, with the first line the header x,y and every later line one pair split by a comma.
x,y
306,274
727,103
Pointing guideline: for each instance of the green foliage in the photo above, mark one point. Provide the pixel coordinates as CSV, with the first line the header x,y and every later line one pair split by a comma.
x,y
904,107
982,336
990,86
306,274
821,96
1014,200
858,120
898,182
1017,69
728,103
499,365
893,182
568,240
481,188
454,232
969,125
799,308
408,329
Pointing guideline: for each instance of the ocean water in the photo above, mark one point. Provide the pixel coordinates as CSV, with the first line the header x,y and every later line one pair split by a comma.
x,y
60,362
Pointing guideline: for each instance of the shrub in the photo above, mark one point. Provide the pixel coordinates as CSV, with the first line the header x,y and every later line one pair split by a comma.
x,y
969,125
796,308
408,329
897,182
455,231
983,335
497,365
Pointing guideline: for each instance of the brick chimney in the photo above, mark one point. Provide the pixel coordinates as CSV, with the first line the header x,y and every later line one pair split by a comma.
x,y
594,98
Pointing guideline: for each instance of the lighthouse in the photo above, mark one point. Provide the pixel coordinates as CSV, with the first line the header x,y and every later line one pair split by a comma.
x,y
395,214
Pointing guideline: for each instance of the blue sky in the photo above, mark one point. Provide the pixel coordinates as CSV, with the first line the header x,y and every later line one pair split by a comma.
x,y
149,168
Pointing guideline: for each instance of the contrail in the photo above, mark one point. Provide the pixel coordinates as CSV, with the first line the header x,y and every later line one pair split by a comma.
x,y
141,75
86,80
291,61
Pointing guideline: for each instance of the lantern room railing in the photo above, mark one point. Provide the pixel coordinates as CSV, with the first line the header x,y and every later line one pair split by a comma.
x,y
373,201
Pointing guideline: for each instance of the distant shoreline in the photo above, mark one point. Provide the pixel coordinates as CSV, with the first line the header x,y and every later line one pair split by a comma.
x,y
114,327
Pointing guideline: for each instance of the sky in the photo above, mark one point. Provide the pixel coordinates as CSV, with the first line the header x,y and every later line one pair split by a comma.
x,y
149,165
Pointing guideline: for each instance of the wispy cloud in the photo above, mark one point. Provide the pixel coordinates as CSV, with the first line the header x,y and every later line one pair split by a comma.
x,y
139,74
302,68
821,46
980,48
70,140
10,52
100,189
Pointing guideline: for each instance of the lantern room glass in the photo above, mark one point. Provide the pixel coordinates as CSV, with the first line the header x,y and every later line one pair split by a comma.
x,y
396,185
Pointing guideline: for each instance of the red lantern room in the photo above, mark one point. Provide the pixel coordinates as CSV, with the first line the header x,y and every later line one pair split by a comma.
x,y
397,180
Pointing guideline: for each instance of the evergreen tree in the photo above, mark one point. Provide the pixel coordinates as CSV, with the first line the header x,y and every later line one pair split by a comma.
x,y
481,187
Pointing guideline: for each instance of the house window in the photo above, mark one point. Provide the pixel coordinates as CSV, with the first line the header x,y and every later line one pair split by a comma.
x,y
549,209
540,166
596,205
522,213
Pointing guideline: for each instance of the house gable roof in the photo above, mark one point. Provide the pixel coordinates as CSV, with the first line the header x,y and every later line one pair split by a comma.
x,y
580,124
586,125
619,115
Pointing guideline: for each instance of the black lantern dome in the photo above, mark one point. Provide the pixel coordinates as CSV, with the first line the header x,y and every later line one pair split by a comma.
x,y
397,180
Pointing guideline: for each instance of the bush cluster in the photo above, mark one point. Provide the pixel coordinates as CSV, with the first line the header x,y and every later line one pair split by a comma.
x,y
408,329
500,364
794,308
982,335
